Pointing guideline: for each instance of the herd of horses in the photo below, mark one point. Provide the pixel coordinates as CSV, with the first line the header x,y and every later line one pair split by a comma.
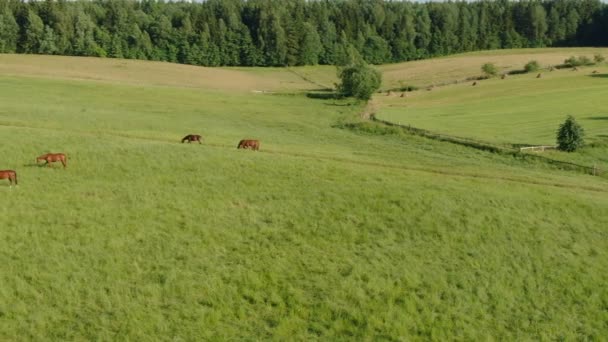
x,y
49,158
245,143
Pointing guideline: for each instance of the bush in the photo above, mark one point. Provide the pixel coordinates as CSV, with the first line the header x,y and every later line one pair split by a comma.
x,y
489,69
532,66
575,62
359,80
570,135
598,58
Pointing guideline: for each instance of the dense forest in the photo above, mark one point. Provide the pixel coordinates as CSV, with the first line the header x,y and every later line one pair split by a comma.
x,y
294,32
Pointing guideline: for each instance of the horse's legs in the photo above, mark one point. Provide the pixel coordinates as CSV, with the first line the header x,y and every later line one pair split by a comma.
x,y
63,162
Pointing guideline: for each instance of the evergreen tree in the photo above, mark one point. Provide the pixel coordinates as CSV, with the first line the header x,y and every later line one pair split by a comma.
x,y
310,46
34,33
9,30
48,42
273,39
423,32
570,135
538,25
376,50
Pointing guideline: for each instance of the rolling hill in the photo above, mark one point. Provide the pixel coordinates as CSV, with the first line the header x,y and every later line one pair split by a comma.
x,y
338,228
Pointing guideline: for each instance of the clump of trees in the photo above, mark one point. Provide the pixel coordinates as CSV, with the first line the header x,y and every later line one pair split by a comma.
x,y
293,32
570,135
359,80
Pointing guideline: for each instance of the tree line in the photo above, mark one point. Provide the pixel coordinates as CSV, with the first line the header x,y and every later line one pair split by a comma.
x,y
294,32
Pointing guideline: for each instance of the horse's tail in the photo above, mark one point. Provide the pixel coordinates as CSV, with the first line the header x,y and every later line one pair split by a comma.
x,y
15,174
64,160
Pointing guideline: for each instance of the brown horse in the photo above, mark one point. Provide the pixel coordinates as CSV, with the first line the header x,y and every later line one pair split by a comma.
x,y
192,137
10,174
53,157
248,143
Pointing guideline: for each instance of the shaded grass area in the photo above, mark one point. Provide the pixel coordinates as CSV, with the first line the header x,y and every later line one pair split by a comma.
x,y
324,234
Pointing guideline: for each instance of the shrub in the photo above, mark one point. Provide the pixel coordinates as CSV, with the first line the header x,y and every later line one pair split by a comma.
x,y
570,135
584,60
532,66
598,58
580,61
489,69
359,80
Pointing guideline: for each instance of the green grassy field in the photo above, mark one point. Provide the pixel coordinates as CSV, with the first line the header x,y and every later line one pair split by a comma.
x,y
521,110
325,234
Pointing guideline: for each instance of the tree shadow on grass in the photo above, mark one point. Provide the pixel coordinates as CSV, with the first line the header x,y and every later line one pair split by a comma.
x,y
519,145
323,94
597,118
599,75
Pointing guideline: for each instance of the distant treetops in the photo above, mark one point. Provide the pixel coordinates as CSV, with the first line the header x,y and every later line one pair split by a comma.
x,y
293,32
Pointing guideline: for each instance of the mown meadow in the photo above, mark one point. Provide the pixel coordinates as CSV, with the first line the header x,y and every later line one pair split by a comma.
x,y
336,229
520,110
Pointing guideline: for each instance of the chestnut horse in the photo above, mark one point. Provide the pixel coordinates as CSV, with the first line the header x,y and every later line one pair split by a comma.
x,y
192,137
53,157
248,143
10,174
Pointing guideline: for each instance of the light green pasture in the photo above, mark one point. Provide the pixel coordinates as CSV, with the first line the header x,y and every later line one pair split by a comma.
x,y
520,110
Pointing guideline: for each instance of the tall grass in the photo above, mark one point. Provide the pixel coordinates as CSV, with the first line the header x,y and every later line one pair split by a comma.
x,y
324,234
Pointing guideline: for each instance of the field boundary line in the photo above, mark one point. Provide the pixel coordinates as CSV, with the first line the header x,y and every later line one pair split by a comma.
x,y
489,147
308,79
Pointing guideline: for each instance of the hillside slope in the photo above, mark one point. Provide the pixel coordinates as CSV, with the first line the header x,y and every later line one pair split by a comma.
x,y
337,228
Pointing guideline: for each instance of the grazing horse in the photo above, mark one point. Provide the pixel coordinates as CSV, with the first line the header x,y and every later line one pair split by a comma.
x,y
10,174
53,157
192,137
248,143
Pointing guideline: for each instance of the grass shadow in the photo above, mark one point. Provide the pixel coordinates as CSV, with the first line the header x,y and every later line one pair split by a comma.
x,y
597,118
599,75
517,72
324,94
518,145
